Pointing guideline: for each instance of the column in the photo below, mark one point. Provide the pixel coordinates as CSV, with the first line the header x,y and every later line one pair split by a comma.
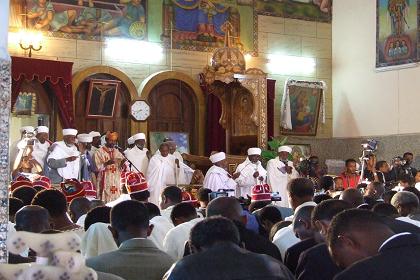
x,y
5,95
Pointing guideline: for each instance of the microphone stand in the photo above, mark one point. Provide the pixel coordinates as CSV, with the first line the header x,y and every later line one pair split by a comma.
x,y
129,161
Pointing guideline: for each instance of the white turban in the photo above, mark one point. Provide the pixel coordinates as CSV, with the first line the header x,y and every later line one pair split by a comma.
x,y
217,157
42,129
84,138
94,134
28,128
69,131
130,140
254,151
285,149
139,136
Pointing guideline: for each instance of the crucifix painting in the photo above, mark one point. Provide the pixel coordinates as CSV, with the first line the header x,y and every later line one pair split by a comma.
x,y
102,97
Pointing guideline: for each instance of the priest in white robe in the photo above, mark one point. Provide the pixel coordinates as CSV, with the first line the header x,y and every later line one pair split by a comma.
x,y
64,160
96,142
217,177
251,172
41,145
161,172
138,155
279,172
185,172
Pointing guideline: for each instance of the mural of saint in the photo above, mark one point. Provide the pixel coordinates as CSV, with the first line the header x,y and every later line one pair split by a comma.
x,y
83,19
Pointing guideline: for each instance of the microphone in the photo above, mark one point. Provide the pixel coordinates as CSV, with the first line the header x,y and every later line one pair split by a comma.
x,y
118,147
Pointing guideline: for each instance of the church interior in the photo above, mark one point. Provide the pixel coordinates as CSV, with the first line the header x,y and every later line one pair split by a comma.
x,y
320,76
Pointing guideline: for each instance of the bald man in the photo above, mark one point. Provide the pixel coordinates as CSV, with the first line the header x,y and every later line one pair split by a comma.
x,y
229,207
32,218
353,197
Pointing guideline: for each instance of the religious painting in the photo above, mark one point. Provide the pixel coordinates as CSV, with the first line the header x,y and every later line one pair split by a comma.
x,y
25,104
82,19
311,10
396,34
101,98
181,139
200,25
300,107
299,152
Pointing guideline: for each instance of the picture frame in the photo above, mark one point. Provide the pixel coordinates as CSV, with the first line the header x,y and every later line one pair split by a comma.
x,y
181,139
301,107
102,98
25,104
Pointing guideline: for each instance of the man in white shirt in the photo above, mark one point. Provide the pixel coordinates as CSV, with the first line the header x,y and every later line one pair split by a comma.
x,y
161,225
184,217
161,172
279,172
138,155
64,160
251,173
170,197
301,193
41,145
217,177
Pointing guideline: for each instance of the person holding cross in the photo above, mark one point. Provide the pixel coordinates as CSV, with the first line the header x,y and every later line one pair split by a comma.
x,y
108,161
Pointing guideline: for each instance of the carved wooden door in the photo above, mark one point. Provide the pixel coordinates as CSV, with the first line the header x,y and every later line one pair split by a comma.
x,y
173,109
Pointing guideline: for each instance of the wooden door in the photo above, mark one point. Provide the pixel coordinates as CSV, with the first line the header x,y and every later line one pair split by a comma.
x,y
174,106
119,123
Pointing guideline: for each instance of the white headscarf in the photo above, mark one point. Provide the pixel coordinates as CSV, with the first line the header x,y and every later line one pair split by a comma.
x,y
97,240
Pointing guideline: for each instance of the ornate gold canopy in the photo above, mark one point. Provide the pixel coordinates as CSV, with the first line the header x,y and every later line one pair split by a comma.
x,y
242,93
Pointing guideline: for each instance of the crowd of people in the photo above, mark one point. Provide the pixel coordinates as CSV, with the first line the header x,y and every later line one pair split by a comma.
x,y
285,221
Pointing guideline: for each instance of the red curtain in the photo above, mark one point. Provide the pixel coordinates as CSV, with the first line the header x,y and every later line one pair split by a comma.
x,y
54,75
215,133
271,95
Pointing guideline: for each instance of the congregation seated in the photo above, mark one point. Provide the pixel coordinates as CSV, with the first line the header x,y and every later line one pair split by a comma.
x,y
313,228
136,255
217,254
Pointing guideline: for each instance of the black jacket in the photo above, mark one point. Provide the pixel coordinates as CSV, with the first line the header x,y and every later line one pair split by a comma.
x,y
316,264
256,243
291,257
397,259
228,261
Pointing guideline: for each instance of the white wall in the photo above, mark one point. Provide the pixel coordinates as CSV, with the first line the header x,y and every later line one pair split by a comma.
x,y
366,102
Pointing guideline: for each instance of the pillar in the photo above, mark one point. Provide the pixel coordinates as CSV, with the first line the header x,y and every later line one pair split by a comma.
x,y
5,95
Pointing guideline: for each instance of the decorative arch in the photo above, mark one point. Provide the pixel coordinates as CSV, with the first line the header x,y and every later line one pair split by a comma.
x,y
150,82
81,75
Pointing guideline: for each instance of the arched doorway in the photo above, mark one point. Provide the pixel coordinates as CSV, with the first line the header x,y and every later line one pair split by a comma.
x,y
121,122
178,105
173,109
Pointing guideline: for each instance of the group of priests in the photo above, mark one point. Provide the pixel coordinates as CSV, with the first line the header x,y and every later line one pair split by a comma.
x,y
98,158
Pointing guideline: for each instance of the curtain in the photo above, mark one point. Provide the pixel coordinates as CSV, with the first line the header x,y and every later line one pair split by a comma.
x,y
271,95
215,133
54,75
